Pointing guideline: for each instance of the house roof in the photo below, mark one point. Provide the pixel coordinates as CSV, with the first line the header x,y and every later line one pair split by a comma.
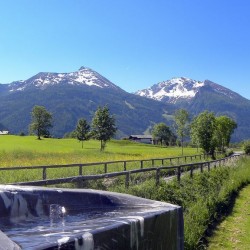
x,y
141,136
4,132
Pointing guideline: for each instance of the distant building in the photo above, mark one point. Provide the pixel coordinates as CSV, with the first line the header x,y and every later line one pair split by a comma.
x,y
148,139
4,132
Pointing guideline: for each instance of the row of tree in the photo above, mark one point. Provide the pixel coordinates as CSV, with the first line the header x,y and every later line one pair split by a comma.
x,y
103,126
205,130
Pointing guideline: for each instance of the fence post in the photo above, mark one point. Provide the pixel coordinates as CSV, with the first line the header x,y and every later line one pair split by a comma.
x,y
157,177
191,171
179,174
201,166
105,168
80,169
170,161
141,164
185,158
44,173
200,157
127,179
162,162
178,160
125,165
208,166
153,162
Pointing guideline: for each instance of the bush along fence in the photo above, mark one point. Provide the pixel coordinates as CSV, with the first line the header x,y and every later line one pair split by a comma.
x,y
173,170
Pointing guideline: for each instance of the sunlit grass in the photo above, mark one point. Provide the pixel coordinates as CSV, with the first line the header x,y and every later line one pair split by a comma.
x,y
234,231
20,151
28,151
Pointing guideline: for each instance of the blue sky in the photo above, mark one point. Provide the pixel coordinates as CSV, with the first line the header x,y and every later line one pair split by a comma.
x,y
134,43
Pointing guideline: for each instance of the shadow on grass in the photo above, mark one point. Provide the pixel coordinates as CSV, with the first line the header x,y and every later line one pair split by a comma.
x,y
224,209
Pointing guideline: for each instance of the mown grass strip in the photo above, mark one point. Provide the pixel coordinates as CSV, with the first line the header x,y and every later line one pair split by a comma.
x,y
234,231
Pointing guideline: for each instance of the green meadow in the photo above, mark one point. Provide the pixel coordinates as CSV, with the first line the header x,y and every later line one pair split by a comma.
x,y
20,151
28,151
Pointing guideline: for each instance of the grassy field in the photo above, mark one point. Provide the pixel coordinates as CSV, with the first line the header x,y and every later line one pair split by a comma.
x,y
234,231
28,151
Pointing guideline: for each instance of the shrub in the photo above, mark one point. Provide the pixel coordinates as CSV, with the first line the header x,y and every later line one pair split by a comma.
x,y
247,147
204,198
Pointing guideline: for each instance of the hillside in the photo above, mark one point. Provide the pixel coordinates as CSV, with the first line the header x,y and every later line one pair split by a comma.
x,y
69,100
197,96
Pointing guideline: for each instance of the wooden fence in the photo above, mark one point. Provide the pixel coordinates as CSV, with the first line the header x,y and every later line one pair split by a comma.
x,y
105,165
177,170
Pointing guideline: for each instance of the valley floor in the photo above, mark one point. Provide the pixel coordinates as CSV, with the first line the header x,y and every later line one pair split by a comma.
x,y
234,231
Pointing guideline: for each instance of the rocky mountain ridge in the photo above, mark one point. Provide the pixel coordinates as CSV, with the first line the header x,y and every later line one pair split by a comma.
x,y
70,96
42,80
181,89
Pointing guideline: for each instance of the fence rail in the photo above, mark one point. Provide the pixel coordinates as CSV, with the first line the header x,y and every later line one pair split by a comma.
x,y
106,164
178,170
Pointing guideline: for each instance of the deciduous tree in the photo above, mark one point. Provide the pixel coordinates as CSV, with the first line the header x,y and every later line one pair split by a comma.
x,y
225,127
103,126
41,121
181,118
202,131
161,132
82,130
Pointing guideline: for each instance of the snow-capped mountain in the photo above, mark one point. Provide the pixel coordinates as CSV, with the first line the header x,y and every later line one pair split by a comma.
x,y
71,96
84,76
180,89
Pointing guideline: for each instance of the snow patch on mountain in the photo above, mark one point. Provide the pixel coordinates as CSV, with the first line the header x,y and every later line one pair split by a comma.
x,y
172,90
84,76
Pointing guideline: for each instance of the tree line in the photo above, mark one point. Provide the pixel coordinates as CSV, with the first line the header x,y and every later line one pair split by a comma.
x,y
205,130
102,128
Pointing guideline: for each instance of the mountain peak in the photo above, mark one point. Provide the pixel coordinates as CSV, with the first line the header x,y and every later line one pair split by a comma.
x,y
84,76
182,89
172,90
83,68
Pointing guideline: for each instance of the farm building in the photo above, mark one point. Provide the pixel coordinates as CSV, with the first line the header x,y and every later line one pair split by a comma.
x,y
4,132
148,139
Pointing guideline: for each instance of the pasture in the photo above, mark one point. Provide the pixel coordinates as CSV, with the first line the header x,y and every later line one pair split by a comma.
x,y
18,151
28,151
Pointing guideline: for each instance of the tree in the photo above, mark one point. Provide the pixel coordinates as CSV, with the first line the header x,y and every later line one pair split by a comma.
x,y
202,131
41,121
194,135
181,118
82,130
103,126
225,127
162,132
